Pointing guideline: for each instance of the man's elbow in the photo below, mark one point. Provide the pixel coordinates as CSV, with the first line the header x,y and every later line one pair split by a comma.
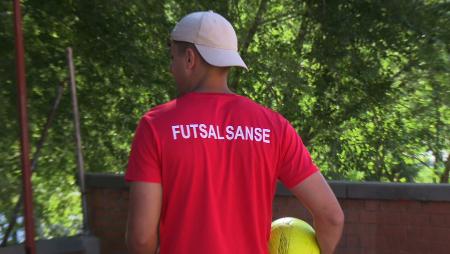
x,y
333,218
139,244
338,218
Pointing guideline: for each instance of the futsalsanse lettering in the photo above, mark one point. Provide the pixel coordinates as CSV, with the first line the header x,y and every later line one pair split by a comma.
x,y
209,131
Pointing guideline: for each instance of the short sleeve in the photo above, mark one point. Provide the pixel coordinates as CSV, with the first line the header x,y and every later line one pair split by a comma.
x,y
144,163
295,161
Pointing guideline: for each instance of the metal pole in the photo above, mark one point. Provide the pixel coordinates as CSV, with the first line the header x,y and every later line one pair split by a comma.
x,y
30,246
76,120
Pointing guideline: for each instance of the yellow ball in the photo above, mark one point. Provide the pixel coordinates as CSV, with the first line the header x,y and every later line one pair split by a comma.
x,y
292,236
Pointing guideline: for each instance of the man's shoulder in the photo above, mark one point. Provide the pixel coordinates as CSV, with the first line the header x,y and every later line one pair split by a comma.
x,y
178,106
263,108
159,111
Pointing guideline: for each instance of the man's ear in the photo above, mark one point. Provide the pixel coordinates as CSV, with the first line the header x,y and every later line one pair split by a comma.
x,y
190,58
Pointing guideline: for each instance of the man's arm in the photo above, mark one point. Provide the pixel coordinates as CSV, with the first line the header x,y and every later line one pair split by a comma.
x,y
143,217
316,195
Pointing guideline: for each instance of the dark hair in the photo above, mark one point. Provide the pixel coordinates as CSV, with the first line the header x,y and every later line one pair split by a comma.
x,y
182,46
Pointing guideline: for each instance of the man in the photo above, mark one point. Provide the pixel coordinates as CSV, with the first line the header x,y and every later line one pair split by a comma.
x,y
203,167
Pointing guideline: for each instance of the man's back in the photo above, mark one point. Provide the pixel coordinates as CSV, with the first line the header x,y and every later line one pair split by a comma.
x,y
203,167
218,157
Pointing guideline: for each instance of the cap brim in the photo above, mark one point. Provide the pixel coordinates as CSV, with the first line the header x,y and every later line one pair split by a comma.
x,y
221,57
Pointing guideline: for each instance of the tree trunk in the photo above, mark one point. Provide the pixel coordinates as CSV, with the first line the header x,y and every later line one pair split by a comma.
x,y
438,145
446,174
249,38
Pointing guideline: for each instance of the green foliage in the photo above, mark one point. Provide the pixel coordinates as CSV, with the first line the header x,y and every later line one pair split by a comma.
x,y
365,83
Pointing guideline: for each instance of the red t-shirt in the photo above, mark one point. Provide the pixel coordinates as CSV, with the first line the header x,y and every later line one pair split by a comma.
x,y
218,157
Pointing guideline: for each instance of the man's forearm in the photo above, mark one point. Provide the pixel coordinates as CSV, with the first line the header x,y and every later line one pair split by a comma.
x,y
328,233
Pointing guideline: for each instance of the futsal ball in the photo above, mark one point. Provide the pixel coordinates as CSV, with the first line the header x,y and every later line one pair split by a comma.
x,y
292,236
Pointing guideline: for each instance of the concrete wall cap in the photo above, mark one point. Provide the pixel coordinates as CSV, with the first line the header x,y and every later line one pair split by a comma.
x,y
342,189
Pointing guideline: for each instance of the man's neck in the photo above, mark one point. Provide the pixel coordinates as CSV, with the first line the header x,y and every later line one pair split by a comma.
x,y
212,84
212,89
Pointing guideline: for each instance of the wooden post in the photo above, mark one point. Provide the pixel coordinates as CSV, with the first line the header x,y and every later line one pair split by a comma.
x,y
76,120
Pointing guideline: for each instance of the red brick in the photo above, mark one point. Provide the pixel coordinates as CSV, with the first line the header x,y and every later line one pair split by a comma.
x,y
114,212
112,247
372,205
414,232
437,207
112,234
367,235
436,235
440,220
354,204
369,251
416,245
352,240
439,248
342,242
393,218
291,209
340,250
108,223
368,241
392,206
350,251
368,217
391,237
349,229
351,216
423,233
418,219
412,206
362,229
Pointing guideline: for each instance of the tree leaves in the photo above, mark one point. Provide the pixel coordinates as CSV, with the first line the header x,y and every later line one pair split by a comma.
x,y
365,83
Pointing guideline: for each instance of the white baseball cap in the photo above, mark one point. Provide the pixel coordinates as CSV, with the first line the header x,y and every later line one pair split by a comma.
x,y
212,35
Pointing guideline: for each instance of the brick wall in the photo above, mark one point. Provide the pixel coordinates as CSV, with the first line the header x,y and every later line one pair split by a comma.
x,y
380,218
385,226
108,208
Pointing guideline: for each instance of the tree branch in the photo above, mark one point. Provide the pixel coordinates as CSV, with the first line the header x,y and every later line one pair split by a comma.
x,y
40,144
249,38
